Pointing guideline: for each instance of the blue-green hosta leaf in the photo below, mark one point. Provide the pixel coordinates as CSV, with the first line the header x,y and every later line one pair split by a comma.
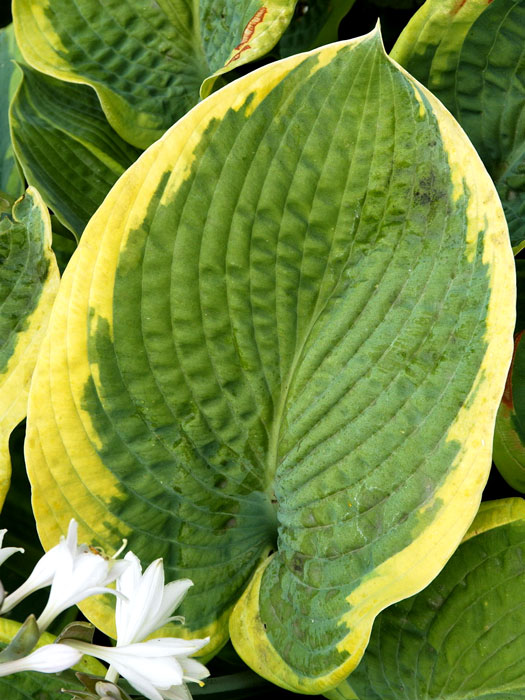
x,y
471,54
287,328
314,23
28,285
66,147
148,61
462,637
10,179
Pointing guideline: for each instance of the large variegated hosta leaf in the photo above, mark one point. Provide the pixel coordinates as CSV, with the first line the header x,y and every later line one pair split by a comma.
x,y
148,61
462,637
471,54
10,179
66,147
287,328
314,23
28,285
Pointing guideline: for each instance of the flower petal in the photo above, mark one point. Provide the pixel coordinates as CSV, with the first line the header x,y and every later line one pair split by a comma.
x,y
71,537
58,604
116,569
143,605
129,580
40,577
143,685
149,604
193,670
174,592
6,552
177,692
165,646
51,658
127,583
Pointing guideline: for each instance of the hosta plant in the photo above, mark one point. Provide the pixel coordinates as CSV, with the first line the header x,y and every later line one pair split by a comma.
x,y
276,356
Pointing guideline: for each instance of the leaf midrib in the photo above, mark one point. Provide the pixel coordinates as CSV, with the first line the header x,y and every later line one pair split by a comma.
x,y
321,304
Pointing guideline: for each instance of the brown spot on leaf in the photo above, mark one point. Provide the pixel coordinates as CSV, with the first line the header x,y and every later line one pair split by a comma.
x,y
457,7
236,56
248,32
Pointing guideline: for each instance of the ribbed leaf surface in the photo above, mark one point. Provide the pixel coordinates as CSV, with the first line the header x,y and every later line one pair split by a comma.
x,y
287,327
28,285
146,60
10,179
66,147
462,637
472,56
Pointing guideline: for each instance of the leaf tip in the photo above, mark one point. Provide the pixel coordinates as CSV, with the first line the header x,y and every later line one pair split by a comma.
x,y
376,36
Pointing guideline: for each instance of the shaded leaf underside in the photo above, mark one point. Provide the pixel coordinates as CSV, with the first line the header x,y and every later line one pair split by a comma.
x,y
297,353
66,147
147,61
10,179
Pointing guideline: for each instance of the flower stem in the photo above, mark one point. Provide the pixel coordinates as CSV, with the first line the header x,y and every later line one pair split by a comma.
x,y
112,675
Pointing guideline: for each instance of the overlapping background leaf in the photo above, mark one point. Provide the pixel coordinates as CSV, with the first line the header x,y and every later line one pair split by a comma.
x,y
10,178
148,62
462,637
28,286
509,435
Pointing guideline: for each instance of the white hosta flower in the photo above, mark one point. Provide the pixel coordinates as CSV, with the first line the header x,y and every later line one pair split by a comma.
x,y
146,604
51,658
74,572
156,668
81,572
5,552
45,568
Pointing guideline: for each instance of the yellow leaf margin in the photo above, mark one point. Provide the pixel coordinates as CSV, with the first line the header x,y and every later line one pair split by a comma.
x,y
15,380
